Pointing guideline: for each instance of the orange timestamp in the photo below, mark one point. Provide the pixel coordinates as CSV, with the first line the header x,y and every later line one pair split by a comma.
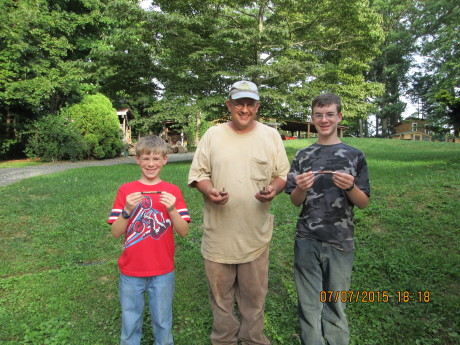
x,y
374,296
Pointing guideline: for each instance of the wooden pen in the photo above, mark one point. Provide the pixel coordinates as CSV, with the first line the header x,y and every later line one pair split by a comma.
x,y
323,172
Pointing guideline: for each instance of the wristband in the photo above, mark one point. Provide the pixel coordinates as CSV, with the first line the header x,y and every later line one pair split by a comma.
x,y
351,188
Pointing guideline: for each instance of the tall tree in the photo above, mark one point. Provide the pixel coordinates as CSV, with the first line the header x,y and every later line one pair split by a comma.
x,y
438,27
391,67
52,52
123,61
293,50
42,49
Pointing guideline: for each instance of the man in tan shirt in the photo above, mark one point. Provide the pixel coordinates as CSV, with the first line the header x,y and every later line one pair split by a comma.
x,y
239,167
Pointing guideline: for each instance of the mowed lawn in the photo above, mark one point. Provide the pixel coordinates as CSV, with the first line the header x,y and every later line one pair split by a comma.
x,y
59,275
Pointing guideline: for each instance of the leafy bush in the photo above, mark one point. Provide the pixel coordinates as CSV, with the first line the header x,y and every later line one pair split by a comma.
x,y
54,137
10,148
98,123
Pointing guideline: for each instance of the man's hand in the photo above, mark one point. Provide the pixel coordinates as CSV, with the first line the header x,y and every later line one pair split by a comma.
x,y
267,195
216,197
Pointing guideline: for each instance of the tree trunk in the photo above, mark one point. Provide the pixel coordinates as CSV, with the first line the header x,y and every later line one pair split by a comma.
x,y
197,129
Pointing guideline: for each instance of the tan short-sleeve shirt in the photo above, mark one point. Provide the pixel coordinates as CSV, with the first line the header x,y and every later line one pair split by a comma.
x,y
243,164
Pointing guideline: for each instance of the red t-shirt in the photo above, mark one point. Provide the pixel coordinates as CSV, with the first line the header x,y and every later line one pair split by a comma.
x,y
148,248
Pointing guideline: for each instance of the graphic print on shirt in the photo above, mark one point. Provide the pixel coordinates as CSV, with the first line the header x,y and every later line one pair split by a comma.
x,y
147,222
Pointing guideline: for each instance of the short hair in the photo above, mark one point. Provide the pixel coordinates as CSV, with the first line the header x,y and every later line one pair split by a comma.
x,y
151,143
326,99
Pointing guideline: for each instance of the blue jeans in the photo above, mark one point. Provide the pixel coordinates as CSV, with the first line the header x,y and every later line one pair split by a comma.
x,y
160,296
320,267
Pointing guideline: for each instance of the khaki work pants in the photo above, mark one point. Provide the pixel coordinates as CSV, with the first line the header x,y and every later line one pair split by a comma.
x,y
249,283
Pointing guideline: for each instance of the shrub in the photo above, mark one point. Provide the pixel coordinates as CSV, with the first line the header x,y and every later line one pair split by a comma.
x,y
10,148
98,123
54,137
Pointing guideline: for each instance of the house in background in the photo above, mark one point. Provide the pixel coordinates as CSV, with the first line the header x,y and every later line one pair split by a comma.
x,y
124,115
451,139
412,129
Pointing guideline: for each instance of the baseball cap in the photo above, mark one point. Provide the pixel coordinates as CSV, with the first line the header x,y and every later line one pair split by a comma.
x,y
244,89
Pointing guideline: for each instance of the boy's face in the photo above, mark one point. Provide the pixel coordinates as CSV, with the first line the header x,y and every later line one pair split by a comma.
x,y
151,164
326,120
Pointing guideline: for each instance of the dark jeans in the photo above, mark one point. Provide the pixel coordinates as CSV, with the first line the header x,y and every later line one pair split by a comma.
x,y
320,267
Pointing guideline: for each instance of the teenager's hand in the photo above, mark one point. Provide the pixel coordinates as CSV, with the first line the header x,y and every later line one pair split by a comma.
x,y
305,181
343,180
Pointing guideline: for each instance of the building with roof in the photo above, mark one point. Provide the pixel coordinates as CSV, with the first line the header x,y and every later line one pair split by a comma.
x,y
124,115
413,129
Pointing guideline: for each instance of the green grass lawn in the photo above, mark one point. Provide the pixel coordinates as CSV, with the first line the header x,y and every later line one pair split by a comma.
x,y
20,163
59,275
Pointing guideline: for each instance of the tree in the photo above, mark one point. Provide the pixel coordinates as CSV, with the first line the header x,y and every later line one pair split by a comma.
x,y
293,50
52,52
439,84
391,67
123,62
41,46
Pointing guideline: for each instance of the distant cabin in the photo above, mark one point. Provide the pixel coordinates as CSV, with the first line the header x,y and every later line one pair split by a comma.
x,y
452,139
124,115
412,130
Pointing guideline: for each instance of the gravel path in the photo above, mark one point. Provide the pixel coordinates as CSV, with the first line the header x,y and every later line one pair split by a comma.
x,y
12,175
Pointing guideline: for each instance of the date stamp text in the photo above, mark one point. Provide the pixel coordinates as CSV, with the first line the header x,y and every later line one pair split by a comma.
x,y
375,296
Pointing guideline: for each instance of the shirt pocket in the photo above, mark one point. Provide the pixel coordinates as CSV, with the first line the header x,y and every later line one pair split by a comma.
x,y
260,169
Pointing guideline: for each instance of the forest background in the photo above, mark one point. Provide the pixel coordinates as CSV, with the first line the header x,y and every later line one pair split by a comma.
x,y
176,59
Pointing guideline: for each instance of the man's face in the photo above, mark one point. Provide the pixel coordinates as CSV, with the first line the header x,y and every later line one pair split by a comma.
x,y
243,112
326,120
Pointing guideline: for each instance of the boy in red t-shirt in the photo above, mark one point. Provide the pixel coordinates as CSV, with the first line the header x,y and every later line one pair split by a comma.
x,y
146,211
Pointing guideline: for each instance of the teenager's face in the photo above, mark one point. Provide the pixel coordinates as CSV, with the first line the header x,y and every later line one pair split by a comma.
x,y
243,112
151,165
326,119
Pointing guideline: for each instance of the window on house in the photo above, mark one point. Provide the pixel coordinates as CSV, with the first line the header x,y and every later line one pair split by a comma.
x,y
414,126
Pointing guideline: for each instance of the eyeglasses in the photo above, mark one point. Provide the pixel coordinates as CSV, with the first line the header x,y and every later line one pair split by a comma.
x,y
329,116
240,105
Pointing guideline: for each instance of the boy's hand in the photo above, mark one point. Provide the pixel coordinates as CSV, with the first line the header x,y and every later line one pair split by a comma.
x,y
343,180
168,200
305,181
132,200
